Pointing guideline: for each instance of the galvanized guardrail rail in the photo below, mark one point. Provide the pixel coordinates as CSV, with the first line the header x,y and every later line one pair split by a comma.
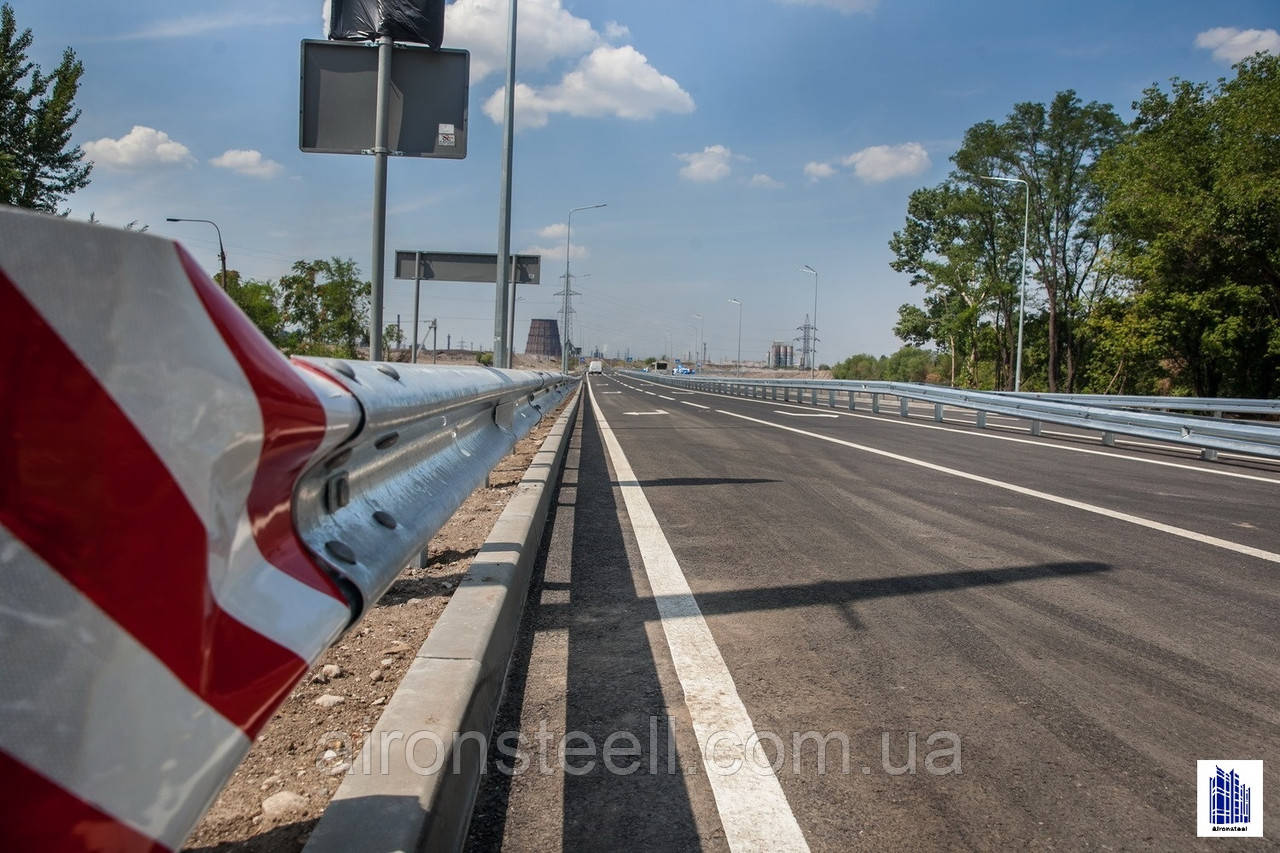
x,y
1209,435
1213,405
190,520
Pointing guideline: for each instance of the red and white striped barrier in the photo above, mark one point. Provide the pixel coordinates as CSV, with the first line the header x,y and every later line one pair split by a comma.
x,y
157,603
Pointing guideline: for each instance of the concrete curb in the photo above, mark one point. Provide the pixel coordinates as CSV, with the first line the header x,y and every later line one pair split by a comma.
x,y
414,783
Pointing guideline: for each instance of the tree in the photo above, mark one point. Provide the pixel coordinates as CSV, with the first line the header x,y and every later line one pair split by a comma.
x,y
38,165
326,307
393,335
1193,197
260,301
960,244
1056,150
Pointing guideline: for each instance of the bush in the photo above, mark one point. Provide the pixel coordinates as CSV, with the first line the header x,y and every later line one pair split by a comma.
x,y
485,358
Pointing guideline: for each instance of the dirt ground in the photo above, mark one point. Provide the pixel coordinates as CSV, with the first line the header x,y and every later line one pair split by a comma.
x,y
277,794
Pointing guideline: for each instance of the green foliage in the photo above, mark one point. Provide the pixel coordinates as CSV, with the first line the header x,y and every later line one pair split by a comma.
x,y
485,358
259,300
325,306
393,335
1194,199
909,364
1154,249
38,165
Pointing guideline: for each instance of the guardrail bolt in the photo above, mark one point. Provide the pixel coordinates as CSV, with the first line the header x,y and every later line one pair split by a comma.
x,y
341,551
337,492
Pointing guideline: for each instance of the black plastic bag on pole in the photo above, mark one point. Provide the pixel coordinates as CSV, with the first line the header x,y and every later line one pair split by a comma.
x,y
420,21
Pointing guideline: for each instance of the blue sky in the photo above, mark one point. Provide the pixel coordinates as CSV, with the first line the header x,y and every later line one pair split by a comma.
x,y
733,142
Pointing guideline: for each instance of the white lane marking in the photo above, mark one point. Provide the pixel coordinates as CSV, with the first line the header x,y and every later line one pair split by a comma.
x,y
805,414
610,392
665,397
695,405
753,808
1034,493
656,412
993,436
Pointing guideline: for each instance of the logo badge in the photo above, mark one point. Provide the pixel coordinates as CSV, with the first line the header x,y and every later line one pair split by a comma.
x,y
1229,799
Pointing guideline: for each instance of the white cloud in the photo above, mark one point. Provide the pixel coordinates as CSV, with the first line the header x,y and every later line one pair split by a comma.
x,y
882,162
614,31
140,147
1232,45
709,164
609,81
247,162
762,181
548,32
196,25
576,252
818,171
553,232
844,7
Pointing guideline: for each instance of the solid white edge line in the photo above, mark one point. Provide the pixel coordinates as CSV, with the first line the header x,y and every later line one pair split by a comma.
x,y
753,809
1182,532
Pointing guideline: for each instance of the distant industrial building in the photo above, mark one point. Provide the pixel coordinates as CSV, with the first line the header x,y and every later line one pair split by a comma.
x,y
781,355
544,338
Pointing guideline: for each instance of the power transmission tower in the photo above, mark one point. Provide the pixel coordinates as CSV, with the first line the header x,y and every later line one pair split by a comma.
x,y
567,312
808,340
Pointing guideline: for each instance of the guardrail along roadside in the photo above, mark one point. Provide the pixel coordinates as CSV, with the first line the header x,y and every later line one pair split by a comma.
x,y
1209,435
189,519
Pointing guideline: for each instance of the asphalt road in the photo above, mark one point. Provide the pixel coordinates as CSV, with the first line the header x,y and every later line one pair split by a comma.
x,y
1072,625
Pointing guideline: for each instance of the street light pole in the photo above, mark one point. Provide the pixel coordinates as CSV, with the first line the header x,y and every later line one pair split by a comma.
x,y
813,349
1022,290
738,302
697,358
504,325
222,253
568,232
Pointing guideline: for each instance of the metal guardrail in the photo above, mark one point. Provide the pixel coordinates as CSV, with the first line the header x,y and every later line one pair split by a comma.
x,y
428,437
191,520
1213,405
1209,435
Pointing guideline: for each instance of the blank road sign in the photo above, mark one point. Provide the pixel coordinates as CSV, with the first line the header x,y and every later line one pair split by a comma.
x,y
428,104
466,266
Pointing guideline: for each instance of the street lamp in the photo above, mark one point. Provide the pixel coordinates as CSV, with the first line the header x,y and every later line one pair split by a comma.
x,y
813,350
1022,290
568,231
698,357
222,254
738,302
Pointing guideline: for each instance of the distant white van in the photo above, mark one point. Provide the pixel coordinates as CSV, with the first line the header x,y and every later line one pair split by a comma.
x,y
595,367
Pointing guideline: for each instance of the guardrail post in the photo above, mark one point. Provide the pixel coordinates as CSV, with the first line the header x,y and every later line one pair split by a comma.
x,y
937,412
1035,427
1109,439
1209,454
831,398
982,420
902,406
775,392
852,394
875,404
